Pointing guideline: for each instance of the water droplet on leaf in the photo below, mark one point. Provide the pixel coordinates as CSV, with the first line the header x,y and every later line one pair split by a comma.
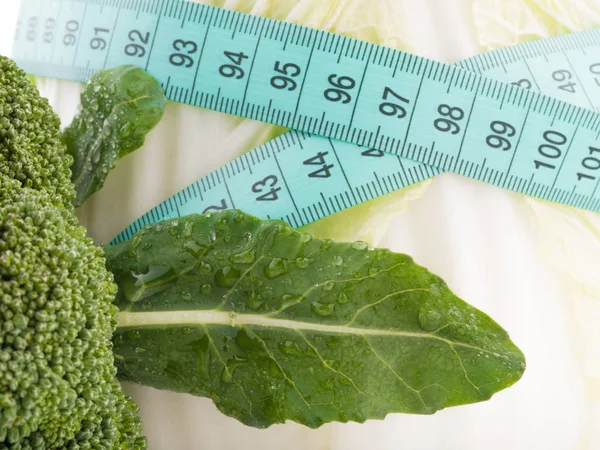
x,y
202,346
227,277
93,104
429,320
326,244
276,268
289,300
247,341
342,298
206,288
255,301
327,286
232,365
359,245
323,309
285,230
126,130
245,257
226,376
195,249
305,237
134,335
327,384
134,243
205,268
303,263
435,290
291,348
335,365
155,273
187,229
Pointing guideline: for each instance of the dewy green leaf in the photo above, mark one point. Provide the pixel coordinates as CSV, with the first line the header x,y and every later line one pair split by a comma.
x,y
275,325
119,107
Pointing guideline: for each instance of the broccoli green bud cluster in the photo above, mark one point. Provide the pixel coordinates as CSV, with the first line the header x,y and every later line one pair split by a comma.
x,y
31,149
58,387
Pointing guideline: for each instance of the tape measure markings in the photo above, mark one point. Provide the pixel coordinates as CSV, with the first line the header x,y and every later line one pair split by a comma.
x,y
469,168
262,166
509,58
320,46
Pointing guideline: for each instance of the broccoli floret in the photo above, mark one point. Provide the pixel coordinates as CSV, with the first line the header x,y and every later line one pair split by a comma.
x,y
58,387
31,149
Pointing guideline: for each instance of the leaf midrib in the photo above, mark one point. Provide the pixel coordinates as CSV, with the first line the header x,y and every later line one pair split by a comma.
x,y
127,319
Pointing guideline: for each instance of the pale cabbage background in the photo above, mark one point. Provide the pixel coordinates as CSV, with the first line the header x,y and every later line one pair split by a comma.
x,y
534,266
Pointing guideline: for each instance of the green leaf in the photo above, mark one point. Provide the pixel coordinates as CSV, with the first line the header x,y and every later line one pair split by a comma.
x,y
275,325
119,107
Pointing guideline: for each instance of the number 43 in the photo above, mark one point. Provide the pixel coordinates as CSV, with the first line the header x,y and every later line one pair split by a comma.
x,y
268,189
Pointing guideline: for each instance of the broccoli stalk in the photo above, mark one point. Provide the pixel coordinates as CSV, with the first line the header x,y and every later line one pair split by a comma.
x,y
58,386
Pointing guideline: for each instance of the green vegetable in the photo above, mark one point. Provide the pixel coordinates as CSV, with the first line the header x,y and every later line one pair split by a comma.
x,y
274,325
119,107
57,379
31,150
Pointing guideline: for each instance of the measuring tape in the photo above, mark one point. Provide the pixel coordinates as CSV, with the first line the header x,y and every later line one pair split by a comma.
x,y
390,119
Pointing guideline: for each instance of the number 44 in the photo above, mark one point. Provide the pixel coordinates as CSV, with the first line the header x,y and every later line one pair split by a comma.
x,y
319,160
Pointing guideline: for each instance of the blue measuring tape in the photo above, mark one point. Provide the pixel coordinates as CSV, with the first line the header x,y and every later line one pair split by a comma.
x,y
388,119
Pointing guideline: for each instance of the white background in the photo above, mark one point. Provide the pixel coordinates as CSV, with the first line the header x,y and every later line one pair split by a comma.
x,y
8,19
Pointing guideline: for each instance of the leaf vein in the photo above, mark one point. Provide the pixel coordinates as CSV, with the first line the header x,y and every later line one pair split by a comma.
x,y
381,300
226,368
460,361
230,291
389,366
288,379
360,391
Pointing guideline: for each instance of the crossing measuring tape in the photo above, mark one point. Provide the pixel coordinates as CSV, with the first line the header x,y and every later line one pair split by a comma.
x,y
388,119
